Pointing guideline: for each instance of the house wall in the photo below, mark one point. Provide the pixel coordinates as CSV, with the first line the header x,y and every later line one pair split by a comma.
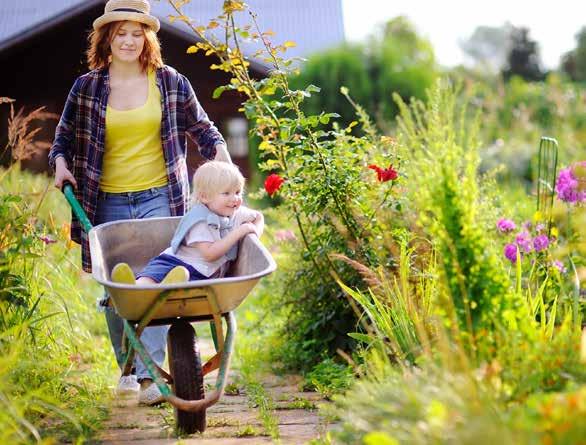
x,y
40,72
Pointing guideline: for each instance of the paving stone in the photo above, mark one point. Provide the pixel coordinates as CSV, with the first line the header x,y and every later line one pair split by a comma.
x,y
297,434
131,424
297,417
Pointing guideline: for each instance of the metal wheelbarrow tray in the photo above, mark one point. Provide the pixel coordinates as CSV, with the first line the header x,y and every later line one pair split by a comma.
x,y
136,242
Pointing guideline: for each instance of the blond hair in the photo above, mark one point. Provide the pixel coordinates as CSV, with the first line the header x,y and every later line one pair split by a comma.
x,y
215,177
99,52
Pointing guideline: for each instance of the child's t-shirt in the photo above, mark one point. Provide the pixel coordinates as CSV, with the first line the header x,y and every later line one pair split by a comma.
x,y
202,232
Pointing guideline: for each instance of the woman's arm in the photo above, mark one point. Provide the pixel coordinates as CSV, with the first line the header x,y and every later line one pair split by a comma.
x,y
199,127
63,144
62,150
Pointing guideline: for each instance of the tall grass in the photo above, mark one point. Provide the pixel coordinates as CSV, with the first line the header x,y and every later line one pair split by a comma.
x,y
56,360
399,308
439,139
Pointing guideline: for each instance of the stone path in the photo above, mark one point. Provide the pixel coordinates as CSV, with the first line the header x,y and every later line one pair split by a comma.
x,y
232,421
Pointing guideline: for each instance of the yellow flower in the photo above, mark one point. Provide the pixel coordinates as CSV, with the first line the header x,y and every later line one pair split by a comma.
x,y
555,232
379,438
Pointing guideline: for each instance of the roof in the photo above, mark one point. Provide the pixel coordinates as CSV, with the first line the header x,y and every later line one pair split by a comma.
x,y
22,19
312,25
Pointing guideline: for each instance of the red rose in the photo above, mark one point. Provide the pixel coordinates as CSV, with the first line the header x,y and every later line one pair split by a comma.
x,y
273,183
384,174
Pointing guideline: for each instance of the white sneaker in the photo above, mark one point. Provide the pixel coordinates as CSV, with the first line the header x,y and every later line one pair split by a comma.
x,y
127,385
151,395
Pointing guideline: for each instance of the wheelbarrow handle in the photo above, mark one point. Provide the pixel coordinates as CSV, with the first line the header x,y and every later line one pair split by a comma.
x,y
76,206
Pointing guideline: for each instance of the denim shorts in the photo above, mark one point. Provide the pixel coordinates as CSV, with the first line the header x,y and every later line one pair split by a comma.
x,y
161,265
150,203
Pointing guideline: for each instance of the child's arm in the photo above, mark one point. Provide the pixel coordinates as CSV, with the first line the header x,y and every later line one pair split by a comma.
x,y
215,250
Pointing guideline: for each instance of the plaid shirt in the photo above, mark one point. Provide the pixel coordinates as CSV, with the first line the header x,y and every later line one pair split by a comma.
x,y
80,138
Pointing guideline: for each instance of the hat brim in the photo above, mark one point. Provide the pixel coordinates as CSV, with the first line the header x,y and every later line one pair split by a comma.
x,y
123,16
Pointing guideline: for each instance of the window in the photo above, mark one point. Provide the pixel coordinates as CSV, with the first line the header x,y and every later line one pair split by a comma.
x,y
237,136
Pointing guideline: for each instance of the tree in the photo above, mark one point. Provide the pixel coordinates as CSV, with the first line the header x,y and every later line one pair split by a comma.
x,y
395,60
404,63
343,66
489,46
574,62
523,59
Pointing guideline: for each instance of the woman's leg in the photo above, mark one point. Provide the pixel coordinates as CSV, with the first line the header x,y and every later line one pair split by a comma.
x,y
113,207
150,204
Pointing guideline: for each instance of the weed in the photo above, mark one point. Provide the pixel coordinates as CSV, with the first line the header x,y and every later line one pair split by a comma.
x,y
248,431
329,378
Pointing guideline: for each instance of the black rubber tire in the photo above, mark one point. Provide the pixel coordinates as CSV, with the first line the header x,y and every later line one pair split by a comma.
x,y
185,367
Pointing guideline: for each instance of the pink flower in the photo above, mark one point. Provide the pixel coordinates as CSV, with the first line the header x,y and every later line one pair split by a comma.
x,y
523,240
540,243
505,225
559,266
511,252
285,235
570,183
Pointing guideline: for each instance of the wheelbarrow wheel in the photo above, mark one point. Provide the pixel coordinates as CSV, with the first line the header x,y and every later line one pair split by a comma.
x,y
185,367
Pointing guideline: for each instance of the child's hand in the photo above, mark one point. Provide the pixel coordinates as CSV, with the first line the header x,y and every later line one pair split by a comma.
x,y
247,228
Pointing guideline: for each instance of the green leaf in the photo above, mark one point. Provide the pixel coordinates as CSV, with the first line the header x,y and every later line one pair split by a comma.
x,y
218,91
361,337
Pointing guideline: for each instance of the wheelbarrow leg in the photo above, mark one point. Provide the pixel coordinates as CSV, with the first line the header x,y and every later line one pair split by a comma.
x,y
152,368
143,323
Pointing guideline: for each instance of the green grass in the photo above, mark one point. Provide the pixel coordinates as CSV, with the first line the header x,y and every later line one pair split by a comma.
x,y
59,360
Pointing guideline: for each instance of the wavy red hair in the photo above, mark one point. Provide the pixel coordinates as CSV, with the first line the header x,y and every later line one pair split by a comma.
x,y
99,53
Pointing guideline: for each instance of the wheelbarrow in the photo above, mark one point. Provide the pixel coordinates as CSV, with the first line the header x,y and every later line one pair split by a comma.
x,y
136,242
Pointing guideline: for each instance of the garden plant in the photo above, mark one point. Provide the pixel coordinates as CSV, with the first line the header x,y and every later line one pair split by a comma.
x,y
431,258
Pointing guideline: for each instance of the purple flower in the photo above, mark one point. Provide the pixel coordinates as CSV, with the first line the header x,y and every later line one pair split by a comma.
x,y
559,266
540,243
505,225
511,252
47,239
540,227
568,184
523,240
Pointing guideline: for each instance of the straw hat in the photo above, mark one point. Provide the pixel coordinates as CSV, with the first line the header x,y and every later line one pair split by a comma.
x,y
133,10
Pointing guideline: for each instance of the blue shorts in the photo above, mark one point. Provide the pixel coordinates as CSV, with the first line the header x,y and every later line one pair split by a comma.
x,y
161,265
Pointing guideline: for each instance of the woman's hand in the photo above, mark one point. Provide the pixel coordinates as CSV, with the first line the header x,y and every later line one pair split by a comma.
x,y
62,174
222,154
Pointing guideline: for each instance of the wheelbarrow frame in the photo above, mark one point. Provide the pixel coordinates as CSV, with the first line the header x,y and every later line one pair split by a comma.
x,y
206,300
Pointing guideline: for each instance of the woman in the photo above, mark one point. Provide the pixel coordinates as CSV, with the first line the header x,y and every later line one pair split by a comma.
x,y
121,142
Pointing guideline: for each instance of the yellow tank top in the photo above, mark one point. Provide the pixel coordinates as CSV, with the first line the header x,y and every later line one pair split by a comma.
x,y
133,157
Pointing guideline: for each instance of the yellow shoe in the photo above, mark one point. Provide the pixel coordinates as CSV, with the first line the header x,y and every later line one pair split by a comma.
x,y
178,274
122,273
